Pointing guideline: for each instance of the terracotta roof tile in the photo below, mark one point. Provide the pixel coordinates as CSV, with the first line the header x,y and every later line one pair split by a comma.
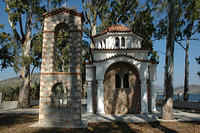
x,y
65,10
115,28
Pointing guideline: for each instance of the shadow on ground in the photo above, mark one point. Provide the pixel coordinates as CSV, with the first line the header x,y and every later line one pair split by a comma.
x,y
16,123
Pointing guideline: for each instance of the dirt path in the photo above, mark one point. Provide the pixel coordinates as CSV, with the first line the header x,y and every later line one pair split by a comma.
x,y
18,123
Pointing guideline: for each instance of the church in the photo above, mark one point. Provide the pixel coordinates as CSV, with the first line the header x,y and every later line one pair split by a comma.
x,y
120,77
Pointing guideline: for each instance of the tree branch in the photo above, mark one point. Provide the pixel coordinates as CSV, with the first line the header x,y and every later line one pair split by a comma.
x,y
86,15
20,21
31,74
35,35
192,39
102,5
125,10
180,44
12,25
21,27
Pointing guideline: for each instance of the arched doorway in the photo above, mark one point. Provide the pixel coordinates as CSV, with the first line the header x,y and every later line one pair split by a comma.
x,y
122,91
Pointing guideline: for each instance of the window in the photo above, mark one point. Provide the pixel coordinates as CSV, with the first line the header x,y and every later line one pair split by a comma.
x,y
117,81
101,44
123,41
117,42
104,42
59,95
126,81
61,48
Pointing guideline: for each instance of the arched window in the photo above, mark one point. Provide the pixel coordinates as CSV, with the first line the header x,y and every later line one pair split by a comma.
x,y
117,81
123,42
117,41
104,42
126,81
59,95
61,48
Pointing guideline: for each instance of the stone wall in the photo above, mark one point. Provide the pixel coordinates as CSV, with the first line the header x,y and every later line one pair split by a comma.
x,y
70,114
122,100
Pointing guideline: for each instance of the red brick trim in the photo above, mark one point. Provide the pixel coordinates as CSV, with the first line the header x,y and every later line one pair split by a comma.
x,y
62,10
48,31
60,73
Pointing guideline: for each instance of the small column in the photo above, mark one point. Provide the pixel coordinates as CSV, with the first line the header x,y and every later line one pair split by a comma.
x,y
122,83
100,96
89,79
153,97
144,97
89,97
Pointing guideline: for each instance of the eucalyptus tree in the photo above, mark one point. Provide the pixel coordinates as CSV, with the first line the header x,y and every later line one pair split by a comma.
x,y
25,19
187,28
119,11
166,28
167,109
93,9
191,12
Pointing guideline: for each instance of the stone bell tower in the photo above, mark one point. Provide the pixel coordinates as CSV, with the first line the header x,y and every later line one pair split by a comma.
x,y
60,82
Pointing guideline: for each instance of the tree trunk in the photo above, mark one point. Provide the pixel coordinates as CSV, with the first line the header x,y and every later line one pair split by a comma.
x,y
167,109
63,70
24,95
186,81
94,27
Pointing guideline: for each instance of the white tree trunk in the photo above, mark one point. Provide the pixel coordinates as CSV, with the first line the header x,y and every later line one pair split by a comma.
x,y
24,100
186,81
167,109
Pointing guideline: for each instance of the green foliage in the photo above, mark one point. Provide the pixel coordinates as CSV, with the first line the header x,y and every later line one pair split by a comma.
x,y
6,54
36,52
62,48
120,11
34,91
129,13
11,51
143,24
93,9
154,56
187,22
85,57
10,92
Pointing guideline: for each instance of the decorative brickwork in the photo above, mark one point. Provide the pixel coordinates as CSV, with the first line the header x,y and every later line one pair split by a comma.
x,y
51,112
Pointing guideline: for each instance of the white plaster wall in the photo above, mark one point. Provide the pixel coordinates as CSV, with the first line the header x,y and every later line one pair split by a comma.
x,y
89,72
103,66
131,40
100,55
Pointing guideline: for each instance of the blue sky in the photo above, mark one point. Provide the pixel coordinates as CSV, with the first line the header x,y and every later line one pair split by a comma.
x,y
159,46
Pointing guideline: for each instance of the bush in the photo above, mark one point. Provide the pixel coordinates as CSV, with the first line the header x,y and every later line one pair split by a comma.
x,y
10,92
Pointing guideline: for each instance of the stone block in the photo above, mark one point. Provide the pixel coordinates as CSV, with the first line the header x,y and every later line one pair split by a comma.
x,y
77,117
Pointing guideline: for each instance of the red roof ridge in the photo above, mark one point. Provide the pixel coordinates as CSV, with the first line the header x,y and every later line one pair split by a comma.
x,y
63,9
116,28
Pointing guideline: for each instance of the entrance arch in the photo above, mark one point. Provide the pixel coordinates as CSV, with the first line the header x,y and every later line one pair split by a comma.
x,y
122,92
